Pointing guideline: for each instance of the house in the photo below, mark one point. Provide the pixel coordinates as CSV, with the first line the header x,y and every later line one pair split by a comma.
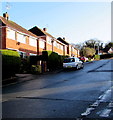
x,y
47,41
17,38
33,41
65,46
110,50
74,51
69,49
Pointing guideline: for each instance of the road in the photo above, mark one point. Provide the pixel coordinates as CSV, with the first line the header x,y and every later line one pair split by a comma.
x,y
84,93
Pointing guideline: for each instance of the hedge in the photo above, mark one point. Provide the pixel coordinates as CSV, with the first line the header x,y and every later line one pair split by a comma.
x,y
54,61
97,57
10,63
104,56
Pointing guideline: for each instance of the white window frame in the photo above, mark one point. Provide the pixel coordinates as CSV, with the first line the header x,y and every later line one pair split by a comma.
x,y
32,41
21,38
11,34
31,54
41,43
49,39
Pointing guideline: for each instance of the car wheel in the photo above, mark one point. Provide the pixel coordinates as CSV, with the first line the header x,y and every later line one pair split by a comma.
x,y
77,67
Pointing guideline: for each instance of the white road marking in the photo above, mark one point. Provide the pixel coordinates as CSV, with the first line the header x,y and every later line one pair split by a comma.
x,y
88,111
102,98
110,105
95,104
105,113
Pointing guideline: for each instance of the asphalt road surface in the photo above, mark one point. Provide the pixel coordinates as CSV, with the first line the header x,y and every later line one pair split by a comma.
x,y
84,93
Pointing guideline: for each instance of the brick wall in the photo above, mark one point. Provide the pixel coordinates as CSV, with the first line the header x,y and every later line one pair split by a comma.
x,y
14,44
59,51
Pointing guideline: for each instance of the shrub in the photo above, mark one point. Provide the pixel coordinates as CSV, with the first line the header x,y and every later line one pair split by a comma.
x,y
97,57
104,56
36,69
45,55
54,61
25,65
10,63
33,59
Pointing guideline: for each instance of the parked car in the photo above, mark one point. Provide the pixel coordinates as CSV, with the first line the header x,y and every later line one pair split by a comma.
x,y
83,59
72,62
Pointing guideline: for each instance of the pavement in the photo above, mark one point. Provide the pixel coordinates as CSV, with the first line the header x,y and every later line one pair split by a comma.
x,y
19,78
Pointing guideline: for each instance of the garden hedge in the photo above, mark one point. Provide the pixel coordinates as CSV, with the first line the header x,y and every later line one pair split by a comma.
x,y
97,57
10,63
104,56
54,61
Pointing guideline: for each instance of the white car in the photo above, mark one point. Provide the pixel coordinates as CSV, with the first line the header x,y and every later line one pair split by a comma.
x,y
72,62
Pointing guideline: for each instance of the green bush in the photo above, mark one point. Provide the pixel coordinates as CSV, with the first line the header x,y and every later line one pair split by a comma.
x,y
97,57
104,56
25,65
36,69
10,63
54,61
45,55
89,59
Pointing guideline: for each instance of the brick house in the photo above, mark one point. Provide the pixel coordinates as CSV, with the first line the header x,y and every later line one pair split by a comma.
x,y
68,48
49,43
15,37
74,51
65,46
31,42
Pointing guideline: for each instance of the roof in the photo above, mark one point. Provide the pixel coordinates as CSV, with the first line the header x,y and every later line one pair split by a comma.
x,y
13,25
37,31
63,41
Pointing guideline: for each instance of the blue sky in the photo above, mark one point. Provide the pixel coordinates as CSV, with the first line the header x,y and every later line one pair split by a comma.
x,y
76,21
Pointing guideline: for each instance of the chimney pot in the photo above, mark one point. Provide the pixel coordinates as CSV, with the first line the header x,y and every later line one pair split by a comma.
x,y
6,16
45,29
63,38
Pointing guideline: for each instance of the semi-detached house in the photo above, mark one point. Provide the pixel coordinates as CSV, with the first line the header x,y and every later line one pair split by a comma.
x,y
15,37
69,49
31,42
49,43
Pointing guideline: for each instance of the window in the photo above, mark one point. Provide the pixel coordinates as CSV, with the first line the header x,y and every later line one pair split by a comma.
x,y
67,60
31,54
21,38
60,47
41,44
11,34
49,39
77,60
32,41
55,43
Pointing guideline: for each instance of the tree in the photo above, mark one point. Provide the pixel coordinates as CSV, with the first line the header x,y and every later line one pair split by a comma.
x,y
108,46
93,43
78,46
87,52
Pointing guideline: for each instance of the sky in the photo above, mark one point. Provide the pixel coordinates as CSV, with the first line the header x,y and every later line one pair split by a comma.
x,y
76,21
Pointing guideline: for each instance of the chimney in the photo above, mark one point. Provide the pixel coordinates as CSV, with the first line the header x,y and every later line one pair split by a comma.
x,y
45,29
63,38
6,16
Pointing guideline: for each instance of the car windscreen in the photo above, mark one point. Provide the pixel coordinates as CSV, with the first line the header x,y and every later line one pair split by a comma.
x,y
69,60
